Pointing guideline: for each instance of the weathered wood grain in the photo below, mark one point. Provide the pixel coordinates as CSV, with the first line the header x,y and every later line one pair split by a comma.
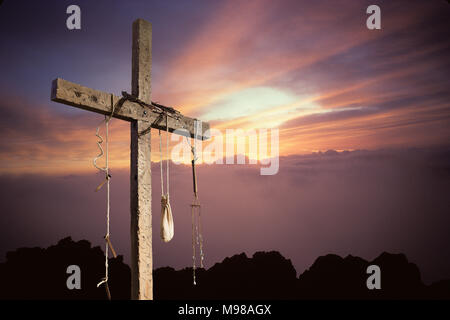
x,y
85,98
141,213
140,179
141,63
142,119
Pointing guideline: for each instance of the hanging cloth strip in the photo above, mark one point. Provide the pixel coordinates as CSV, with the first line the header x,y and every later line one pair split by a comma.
x,y
105,169
167,227
197,238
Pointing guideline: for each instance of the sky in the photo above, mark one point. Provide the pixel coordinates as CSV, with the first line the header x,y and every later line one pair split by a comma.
x,y
311,69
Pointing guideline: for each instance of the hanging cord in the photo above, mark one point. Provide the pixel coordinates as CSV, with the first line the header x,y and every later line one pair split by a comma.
x,y
167,228
197,238
167,160
105,169
161,163
193,245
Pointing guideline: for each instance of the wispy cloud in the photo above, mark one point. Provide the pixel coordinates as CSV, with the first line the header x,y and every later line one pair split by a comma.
x,y
360,203
310,68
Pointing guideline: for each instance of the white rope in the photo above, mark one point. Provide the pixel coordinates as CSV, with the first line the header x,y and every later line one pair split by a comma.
x,y
200,237
167,227
197,238
161,163
168,158
193,245
105,169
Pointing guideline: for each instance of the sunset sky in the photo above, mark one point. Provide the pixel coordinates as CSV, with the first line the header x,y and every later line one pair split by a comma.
x,y
311,69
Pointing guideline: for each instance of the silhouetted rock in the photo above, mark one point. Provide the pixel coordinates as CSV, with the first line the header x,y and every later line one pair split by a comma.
x,y
400,279
267,275
35,273
333,277
171,284
438,290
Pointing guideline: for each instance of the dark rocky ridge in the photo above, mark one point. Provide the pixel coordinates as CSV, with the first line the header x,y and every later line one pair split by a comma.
x,y
36,273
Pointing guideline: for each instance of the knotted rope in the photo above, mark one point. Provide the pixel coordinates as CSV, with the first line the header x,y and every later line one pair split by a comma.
x,y
105,169
197,238
167,228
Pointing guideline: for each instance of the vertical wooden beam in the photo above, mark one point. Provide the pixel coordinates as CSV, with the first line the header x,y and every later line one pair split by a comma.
x,y
140,173
141,62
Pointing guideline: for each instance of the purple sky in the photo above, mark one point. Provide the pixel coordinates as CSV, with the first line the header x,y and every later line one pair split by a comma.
x,y
360,203
309,68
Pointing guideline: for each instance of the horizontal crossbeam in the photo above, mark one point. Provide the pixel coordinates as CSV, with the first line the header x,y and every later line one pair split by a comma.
x,y
78,96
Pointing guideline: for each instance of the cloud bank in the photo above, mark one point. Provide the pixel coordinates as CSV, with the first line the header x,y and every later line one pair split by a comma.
x,y
360,203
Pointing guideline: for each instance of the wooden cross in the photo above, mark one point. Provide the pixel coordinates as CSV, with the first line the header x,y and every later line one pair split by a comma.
x,y
142,119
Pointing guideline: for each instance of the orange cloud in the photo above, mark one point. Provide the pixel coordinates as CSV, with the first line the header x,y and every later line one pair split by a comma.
x,y
352,88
